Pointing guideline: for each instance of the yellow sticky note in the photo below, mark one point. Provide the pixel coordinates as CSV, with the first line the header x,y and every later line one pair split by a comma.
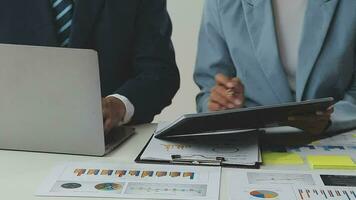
x,y
276,158
315,143
331,162
354,135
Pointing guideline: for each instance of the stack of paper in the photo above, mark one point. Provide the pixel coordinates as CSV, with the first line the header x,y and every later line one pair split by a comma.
x,y
331,162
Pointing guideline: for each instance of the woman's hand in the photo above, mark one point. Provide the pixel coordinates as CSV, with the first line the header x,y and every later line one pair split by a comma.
x,y
315,124
228,93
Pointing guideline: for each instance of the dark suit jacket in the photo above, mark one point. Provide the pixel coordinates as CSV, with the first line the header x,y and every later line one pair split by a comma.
x,y
132,38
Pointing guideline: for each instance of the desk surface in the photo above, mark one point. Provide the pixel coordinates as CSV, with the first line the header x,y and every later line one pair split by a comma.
x,y
22,172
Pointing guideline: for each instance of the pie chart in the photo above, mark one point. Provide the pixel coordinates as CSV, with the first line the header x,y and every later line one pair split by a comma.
x,y
264,194
108,186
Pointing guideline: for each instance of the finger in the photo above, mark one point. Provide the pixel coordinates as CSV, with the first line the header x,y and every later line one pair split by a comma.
x,y
239,100
239,96
213,106
237,90
108,125
330,109
226,94
220,99
240,88
225,81
221,79
324,113
235,83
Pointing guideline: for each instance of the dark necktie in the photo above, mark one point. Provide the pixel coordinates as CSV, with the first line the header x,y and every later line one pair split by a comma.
x,y
63,13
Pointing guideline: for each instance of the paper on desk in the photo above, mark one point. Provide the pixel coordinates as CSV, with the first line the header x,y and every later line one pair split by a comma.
x,y
331,162
288,185
342,144
237,150
344,139
285,158
132,181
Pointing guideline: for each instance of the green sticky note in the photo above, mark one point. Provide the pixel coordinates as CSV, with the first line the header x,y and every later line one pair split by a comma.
x,y
354,135
331,162
276,158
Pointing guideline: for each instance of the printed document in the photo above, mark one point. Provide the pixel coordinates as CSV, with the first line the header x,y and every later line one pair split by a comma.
x,y
132,181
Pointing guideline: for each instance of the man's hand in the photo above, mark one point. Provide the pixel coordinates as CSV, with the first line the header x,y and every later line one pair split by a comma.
x,y
228,93
313,124
113,112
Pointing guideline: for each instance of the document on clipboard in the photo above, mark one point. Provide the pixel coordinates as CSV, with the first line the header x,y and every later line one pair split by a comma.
x,y
230,150
242,120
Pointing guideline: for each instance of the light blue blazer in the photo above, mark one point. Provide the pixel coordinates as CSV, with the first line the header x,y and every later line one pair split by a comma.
x,y
238,38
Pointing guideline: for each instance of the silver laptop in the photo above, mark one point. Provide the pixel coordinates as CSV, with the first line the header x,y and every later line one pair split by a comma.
x,y
50,101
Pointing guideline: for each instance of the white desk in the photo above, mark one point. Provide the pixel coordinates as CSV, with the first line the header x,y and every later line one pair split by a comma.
x,y
22,172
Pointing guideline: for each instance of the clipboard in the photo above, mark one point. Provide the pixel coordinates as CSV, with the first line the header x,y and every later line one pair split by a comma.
x,y
197,160
242,119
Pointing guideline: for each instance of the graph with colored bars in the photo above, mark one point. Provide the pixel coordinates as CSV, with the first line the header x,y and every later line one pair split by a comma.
x,y
330,194
133,173
193,190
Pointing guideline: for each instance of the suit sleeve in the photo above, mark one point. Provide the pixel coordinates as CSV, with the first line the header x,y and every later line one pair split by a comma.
x,y
156,77
213,56
344,116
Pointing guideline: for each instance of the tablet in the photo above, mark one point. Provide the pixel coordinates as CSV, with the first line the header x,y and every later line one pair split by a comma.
x,y
244,119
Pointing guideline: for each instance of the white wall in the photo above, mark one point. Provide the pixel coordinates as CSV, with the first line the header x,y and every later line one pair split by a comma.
x,y
186,17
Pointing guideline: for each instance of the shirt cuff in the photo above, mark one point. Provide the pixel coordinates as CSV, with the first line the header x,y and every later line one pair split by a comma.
x,y
130,109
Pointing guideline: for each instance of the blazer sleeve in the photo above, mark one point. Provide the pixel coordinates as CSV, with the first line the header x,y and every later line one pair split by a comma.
x,y
344,116
156,76
213,56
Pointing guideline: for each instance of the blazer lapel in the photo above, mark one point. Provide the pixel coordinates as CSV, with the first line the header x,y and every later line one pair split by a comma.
x,y
317,20
261,28
42,21
84,19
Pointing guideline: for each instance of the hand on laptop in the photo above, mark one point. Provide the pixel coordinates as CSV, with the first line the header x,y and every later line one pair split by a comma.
x,y
113,112
315,124
227,93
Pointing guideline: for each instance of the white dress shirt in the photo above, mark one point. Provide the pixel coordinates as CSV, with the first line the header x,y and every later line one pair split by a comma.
x,y
289,17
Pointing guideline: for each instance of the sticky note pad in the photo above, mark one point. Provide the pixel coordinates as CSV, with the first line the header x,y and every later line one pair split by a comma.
x,y
354,135
315,143
276,158
331,162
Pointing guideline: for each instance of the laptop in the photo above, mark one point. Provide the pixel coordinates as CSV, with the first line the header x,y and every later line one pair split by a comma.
x,y
50,101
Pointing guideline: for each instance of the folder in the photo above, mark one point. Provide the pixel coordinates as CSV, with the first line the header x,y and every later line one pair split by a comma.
x,y
199,157
244,120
